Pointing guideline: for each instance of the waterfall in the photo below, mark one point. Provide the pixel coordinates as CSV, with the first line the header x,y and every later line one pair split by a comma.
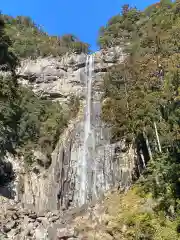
x,y
86,164
96,165
95,162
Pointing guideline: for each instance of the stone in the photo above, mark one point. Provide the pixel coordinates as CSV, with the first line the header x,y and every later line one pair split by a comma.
x,y
52,232
40,233
54,218
26,233
40,219
30,226
124,229
15,216
13,233
44,221
9,226
55,213
12,209
65,233
33,216
24,212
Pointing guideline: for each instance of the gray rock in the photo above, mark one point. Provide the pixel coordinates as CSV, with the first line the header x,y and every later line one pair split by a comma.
x,y
9,226
66,233
33,216
13,233
54,218
40,233
52,233
65,75
15,216
25,233
30,226
45,222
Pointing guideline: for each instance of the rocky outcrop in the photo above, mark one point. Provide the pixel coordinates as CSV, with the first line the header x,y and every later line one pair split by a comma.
x,y
22,223
102,219
56,186
57,78
53,183
42,185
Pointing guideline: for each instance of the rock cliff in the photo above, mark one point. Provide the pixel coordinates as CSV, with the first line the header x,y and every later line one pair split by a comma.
x,y
52,186
56,78
58,186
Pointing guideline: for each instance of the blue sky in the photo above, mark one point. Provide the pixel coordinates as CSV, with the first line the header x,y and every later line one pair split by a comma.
x,y
79,17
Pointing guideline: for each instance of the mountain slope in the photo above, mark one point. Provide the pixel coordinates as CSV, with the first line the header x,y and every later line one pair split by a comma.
x,y
29,40
27,122
143,95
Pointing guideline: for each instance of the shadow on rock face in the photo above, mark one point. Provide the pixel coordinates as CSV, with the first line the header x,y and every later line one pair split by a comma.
x,y
7,192
7,175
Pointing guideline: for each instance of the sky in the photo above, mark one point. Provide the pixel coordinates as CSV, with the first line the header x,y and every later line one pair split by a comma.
x,y
79,17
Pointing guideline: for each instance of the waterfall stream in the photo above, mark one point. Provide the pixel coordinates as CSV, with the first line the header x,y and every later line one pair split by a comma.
x,y
86,165
93,157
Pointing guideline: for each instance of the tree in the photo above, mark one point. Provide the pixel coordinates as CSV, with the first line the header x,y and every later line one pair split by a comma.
x,y
125,9
8,60
142,96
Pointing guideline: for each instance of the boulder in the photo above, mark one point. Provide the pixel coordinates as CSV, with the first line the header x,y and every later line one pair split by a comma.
x,y
66,233
40,233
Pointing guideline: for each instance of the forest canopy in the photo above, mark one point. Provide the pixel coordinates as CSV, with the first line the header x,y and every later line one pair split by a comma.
x,y
143,93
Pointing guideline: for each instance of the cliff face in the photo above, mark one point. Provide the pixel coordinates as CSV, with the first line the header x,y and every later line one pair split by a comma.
x,y
56,78
56,186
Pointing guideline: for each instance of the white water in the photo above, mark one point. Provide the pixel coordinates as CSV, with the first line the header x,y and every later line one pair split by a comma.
x,y
85,159
93,155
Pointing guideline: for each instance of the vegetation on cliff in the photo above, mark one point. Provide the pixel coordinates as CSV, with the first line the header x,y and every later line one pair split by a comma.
x,y
128,216
29,40
143,95
26,121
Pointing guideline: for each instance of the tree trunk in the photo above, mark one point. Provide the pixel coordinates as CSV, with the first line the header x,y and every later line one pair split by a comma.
x,y
143,160
148,145
157,137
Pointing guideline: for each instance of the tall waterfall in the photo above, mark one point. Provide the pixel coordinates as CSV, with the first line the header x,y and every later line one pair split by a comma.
x,y
86,156
94,159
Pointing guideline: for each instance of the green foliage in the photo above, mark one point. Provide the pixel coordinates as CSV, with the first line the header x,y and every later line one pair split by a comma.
x,y
140,226
27,122
42,122
7,105
119,27
8,60
145,90
29,40
133,217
